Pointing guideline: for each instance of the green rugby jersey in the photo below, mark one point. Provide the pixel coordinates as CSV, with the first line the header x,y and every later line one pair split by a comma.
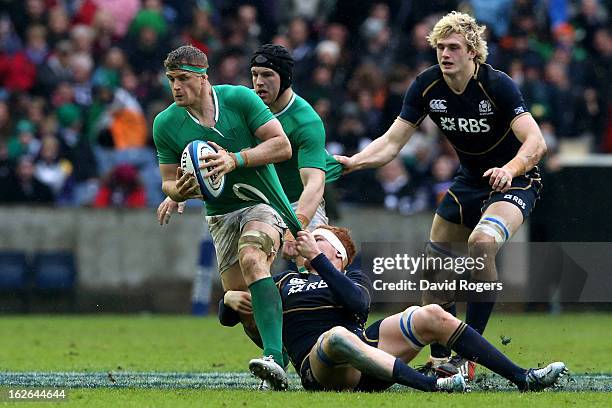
x,y
306,133
239,112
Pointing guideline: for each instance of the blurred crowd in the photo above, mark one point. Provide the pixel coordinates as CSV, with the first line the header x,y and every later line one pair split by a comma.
x,y
82,80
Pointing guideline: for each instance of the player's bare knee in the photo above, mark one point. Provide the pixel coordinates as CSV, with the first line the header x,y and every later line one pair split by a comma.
x,y
432,319
251,260
481,243
480,238
338,342
249,256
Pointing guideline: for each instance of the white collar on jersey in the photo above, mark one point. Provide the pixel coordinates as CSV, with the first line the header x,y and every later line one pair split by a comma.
x,y
276,115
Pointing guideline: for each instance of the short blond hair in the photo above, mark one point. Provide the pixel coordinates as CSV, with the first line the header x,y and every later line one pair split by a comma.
x,y
466,26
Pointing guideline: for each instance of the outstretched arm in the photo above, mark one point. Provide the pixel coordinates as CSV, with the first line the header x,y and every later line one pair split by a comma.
x,y
382,150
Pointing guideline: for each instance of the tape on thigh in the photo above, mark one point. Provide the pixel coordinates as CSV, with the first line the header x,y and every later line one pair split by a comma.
x,y
257,239
407,328
494,227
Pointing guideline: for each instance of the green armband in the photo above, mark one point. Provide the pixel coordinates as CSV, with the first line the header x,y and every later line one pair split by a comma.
x,y
239,160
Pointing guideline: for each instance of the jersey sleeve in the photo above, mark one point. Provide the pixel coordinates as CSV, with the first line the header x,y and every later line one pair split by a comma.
x,y
311,146
413,108
161,136
280,276
347,291
507,97
361,280
226,315
333,168
253,108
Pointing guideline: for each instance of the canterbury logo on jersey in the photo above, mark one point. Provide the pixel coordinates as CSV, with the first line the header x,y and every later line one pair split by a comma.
x,y
465,125
437,105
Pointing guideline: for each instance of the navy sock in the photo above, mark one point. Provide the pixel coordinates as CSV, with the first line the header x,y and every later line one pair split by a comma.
x,y
479,308
438,350
403,374
471,345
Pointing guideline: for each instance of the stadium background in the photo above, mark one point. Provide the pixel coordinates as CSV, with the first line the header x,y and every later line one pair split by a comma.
x,y
82,80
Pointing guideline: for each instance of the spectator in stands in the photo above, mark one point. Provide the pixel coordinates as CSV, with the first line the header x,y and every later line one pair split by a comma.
x,y
202,34
94,65
25,141
25,188
302,51
55,70
421,52
397,189
36,47
50,168
563,100
6,169
442,172
58,25
121,188
6,122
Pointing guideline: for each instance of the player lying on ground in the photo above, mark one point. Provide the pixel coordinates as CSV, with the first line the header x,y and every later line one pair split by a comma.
x,y
324,314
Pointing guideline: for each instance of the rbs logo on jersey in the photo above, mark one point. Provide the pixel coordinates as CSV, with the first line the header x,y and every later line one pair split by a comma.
x,y
465,125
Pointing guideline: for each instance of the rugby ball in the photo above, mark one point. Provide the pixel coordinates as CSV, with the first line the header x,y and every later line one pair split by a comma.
x,y
210,187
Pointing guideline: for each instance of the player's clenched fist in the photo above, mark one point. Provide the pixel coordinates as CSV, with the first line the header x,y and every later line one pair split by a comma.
x,y
306,245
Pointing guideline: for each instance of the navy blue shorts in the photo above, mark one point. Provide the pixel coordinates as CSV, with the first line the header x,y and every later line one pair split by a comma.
x,y
467,198
366,383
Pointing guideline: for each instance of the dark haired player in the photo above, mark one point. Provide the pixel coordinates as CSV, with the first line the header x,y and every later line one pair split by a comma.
x,y
324,313
304,175
482,113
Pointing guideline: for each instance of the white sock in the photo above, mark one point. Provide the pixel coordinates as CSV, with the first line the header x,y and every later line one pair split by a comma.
x,y
437,361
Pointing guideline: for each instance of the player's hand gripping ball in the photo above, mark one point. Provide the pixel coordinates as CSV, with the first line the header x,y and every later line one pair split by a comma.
x,y
211,187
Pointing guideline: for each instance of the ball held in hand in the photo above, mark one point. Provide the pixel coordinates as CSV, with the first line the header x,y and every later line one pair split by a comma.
x,y
211,187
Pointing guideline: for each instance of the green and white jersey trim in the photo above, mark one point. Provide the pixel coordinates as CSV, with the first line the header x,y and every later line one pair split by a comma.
x,y
286,108
246,192
216,101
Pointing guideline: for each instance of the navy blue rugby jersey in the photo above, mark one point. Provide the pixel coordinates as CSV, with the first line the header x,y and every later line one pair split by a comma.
x,y
477,122
310,309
